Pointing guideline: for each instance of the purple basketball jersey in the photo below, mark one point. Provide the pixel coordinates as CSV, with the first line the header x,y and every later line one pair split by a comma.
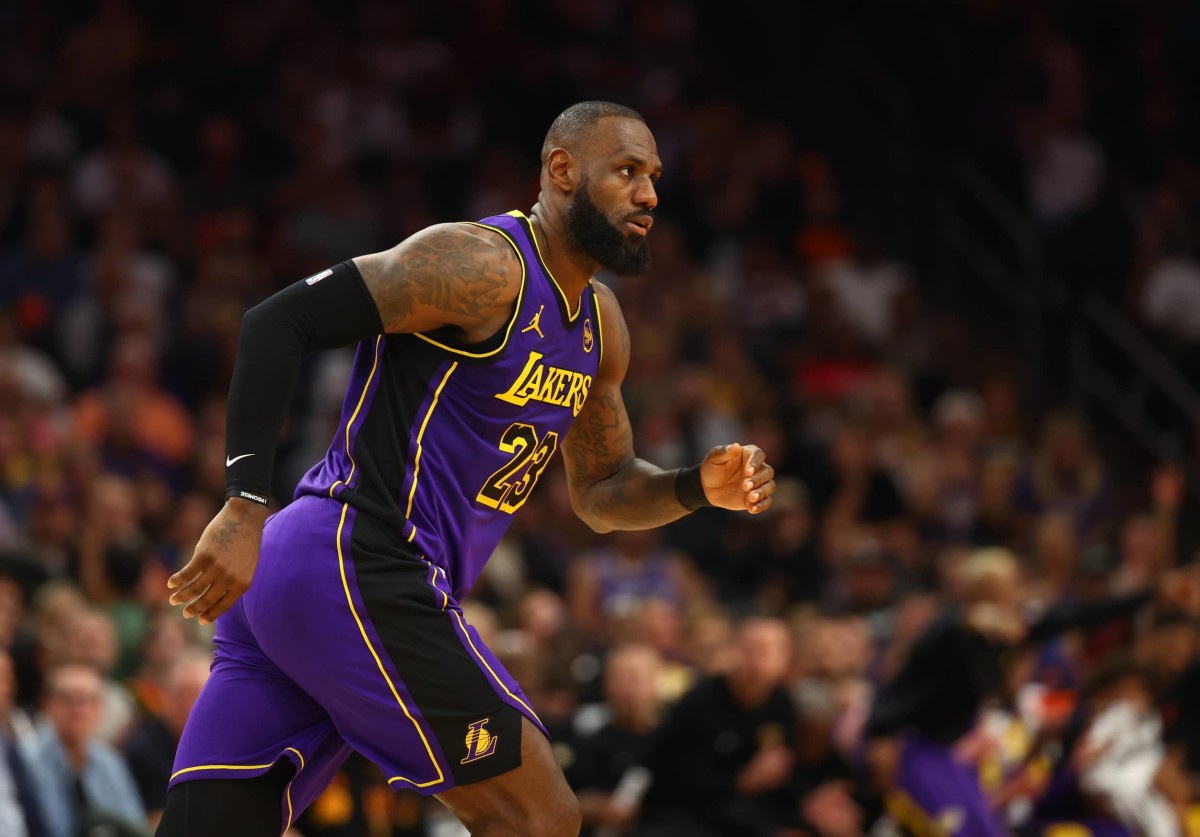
x,y
446,441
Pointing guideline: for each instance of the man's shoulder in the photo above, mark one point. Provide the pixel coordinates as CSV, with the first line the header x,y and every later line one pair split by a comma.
x,y
704,692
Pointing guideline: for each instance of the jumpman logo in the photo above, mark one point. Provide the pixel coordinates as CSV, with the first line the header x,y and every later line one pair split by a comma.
x,y
535,323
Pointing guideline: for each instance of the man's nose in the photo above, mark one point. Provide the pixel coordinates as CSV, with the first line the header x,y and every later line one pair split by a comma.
x,y
646,196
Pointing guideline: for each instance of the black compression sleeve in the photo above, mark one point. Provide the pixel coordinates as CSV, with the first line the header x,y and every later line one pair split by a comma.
x,y
1071,616
328,310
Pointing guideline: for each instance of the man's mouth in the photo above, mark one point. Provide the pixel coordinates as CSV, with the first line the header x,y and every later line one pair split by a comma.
x,y
640,224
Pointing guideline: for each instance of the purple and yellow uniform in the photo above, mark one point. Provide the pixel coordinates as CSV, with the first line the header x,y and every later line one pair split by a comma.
x,y
351,635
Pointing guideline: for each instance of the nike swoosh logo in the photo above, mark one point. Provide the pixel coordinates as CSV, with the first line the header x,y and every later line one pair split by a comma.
x,y
229,461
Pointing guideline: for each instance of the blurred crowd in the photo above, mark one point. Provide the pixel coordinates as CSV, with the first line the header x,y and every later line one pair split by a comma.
x,y
957,619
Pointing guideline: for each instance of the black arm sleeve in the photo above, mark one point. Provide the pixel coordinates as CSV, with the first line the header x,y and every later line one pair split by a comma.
x,y
1071,616
325,311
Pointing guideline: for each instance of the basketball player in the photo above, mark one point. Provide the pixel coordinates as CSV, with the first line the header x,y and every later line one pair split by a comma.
x,y
483,348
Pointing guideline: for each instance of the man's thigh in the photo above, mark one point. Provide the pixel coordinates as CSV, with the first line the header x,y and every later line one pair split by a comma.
x,y
533,798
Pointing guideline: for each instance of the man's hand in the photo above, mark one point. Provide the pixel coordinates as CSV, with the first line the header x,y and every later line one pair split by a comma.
x,y
768,770
223,564
737,477
1179,590
999,624
832,810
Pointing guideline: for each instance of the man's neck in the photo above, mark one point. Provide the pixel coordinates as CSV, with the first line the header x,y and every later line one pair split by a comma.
x,y
572,270
638,723
747,694
76,756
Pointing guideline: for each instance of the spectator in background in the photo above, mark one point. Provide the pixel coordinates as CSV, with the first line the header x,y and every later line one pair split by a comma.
x,y
124,174
897,429
1067,476
79,778
33,374
167,637
867,582
856,497
150,749
722,755
1055,559
606,756
612,582
1170,301
1118,772
866,289
91,641
789,569
20,808
40,277
934,700
137,424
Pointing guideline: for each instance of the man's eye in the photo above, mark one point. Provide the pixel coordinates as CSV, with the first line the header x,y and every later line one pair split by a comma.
x,y
626,170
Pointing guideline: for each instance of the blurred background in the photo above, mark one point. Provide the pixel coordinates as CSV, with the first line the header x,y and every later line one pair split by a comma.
x,y
938,258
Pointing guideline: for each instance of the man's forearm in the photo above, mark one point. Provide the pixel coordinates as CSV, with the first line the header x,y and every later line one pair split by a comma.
x,y
638,496
329,310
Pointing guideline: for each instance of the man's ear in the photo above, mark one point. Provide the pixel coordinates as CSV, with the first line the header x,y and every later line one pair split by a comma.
x,y
563,170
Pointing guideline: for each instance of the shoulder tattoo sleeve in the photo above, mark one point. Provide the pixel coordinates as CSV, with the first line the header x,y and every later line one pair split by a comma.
x,y
450,274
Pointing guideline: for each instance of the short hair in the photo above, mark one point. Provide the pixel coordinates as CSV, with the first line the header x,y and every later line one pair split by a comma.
x,y
576,122
985,567
55,675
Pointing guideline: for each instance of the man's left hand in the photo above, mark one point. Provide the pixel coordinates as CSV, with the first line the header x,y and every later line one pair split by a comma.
x,y
737,477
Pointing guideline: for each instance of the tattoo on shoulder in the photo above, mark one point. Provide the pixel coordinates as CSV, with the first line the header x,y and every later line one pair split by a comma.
x,y
450,271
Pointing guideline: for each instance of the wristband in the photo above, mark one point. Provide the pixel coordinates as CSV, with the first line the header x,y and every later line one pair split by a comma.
x,y
246,495
689,490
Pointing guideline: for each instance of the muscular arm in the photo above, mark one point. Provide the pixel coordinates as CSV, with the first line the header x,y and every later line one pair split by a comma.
x,y
610,487
457,276
454,275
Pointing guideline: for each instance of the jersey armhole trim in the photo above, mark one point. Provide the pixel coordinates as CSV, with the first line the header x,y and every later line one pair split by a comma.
x,y
516,308
599,327
569,318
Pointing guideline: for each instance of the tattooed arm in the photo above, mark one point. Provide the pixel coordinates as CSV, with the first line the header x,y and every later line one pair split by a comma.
x,y
454,275
613,489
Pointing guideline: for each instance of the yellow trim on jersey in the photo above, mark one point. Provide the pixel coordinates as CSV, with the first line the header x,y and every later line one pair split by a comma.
x,y
354,416
379,662
433,571
910,815
287,793
482,659
572,317
516,310
220,767
412,491
599,328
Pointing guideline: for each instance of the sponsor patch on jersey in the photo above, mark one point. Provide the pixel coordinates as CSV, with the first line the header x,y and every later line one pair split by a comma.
x,y
317,277
588,340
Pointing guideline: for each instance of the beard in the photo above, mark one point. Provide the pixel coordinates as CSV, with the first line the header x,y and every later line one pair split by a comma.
x,y
595,236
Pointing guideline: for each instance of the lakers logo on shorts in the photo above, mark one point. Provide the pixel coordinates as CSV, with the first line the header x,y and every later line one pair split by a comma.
x,y
587,335
480,742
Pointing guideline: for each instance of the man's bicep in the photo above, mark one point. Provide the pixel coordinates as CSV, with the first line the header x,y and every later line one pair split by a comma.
x,y
449,274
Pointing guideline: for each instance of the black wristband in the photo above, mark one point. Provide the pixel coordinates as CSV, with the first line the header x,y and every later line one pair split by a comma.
x,y
246,495
689,490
